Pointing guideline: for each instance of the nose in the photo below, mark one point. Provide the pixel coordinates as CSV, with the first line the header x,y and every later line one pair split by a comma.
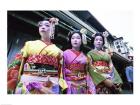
x,y
98,42
75,40
42,27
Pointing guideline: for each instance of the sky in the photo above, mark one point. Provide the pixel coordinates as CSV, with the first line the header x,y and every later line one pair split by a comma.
x,y
117,22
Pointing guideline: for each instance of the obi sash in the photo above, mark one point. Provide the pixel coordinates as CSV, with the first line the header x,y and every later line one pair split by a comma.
x,y
76,72
101,63
36,69
102,67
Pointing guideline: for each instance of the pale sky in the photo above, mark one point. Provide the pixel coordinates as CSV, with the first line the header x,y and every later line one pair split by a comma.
x,y
118,23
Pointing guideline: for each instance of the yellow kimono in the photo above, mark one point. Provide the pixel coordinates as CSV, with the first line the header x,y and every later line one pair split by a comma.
x,y
42,65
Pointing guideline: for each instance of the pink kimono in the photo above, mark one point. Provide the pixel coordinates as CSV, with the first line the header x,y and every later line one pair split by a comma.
x,y
76,73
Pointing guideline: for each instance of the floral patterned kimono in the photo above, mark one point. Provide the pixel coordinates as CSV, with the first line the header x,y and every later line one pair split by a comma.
x,y
100,70
76,74
41,69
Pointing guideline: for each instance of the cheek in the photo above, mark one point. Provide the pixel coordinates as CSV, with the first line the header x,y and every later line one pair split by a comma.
x,y
102,42
79,41
46,28
72,41
95,43
39,28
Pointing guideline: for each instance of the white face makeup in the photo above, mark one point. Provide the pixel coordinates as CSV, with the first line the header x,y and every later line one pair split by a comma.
x,y
44,28
76,40
98,42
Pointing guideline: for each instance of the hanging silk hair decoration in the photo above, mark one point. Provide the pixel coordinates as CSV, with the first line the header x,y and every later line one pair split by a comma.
x,y
53,22
93,34
83,31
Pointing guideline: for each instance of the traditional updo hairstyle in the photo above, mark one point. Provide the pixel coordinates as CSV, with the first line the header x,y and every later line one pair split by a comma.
x,y
54,30
95,35
69,39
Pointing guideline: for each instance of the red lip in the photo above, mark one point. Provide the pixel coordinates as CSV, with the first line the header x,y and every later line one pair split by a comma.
x,y
43,31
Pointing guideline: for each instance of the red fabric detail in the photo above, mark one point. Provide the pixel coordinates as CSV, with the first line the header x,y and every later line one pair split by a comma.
x,y
43,59
76,66
12,77
75,78
11,85
18,56
76,52
12,74
101,63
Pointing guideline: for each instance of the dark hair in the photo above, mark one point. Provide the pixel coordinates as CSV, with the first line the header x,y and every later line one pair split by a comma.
x,y
69,39
97,34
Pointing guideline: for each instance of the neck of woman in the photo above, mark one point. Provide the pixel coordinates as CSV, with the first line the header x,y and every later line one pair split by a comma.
x,y
76,48
98,49
46,39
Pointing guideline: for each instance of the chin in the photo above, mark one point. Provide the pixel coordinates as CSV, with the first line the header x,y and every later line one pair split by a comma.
x,y
99,47
41,34
76,46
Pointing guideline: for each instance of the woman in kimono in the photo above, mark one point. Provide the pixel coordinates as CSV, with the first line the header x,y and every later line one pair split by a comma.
x,y
101,69
36,69
75,65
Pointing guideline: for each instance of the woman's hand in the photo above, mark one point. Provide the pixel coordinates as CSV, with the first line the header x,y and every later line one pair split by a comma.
x,y
108,83
46,90
113,87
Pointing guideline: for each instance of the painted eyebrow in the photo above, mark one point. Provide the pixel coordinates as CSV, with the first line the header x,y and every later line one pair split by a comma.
x,y
42,22
98,38
76,37
45,23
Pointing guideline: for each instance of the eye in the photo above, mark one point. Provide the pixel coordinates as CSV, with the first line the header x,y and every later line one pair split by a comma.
x,y
96,39
39,25
78,37
72,38
101,40
47,25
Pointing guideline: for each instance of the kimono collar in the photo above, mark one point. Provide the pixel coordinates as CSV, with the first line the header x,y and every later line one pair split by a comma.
x,y
75,52
47,43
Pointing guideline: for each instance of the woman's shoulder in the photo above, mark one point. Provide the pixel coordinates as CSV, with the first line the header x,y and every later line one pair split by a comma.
x,y
32,42
67,51
90,52
56,48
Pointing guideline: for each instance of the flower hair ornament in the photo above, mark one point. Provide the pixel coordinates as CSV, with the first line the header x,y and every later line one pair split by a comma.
x,y
53,22
83,31
105,34
93,34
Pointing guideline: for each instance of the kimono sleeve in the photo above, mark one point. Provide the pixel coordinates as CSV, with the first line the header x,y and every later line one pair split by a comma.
x,y
115,75
13,70
117,79
96,77
25,50
62,82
